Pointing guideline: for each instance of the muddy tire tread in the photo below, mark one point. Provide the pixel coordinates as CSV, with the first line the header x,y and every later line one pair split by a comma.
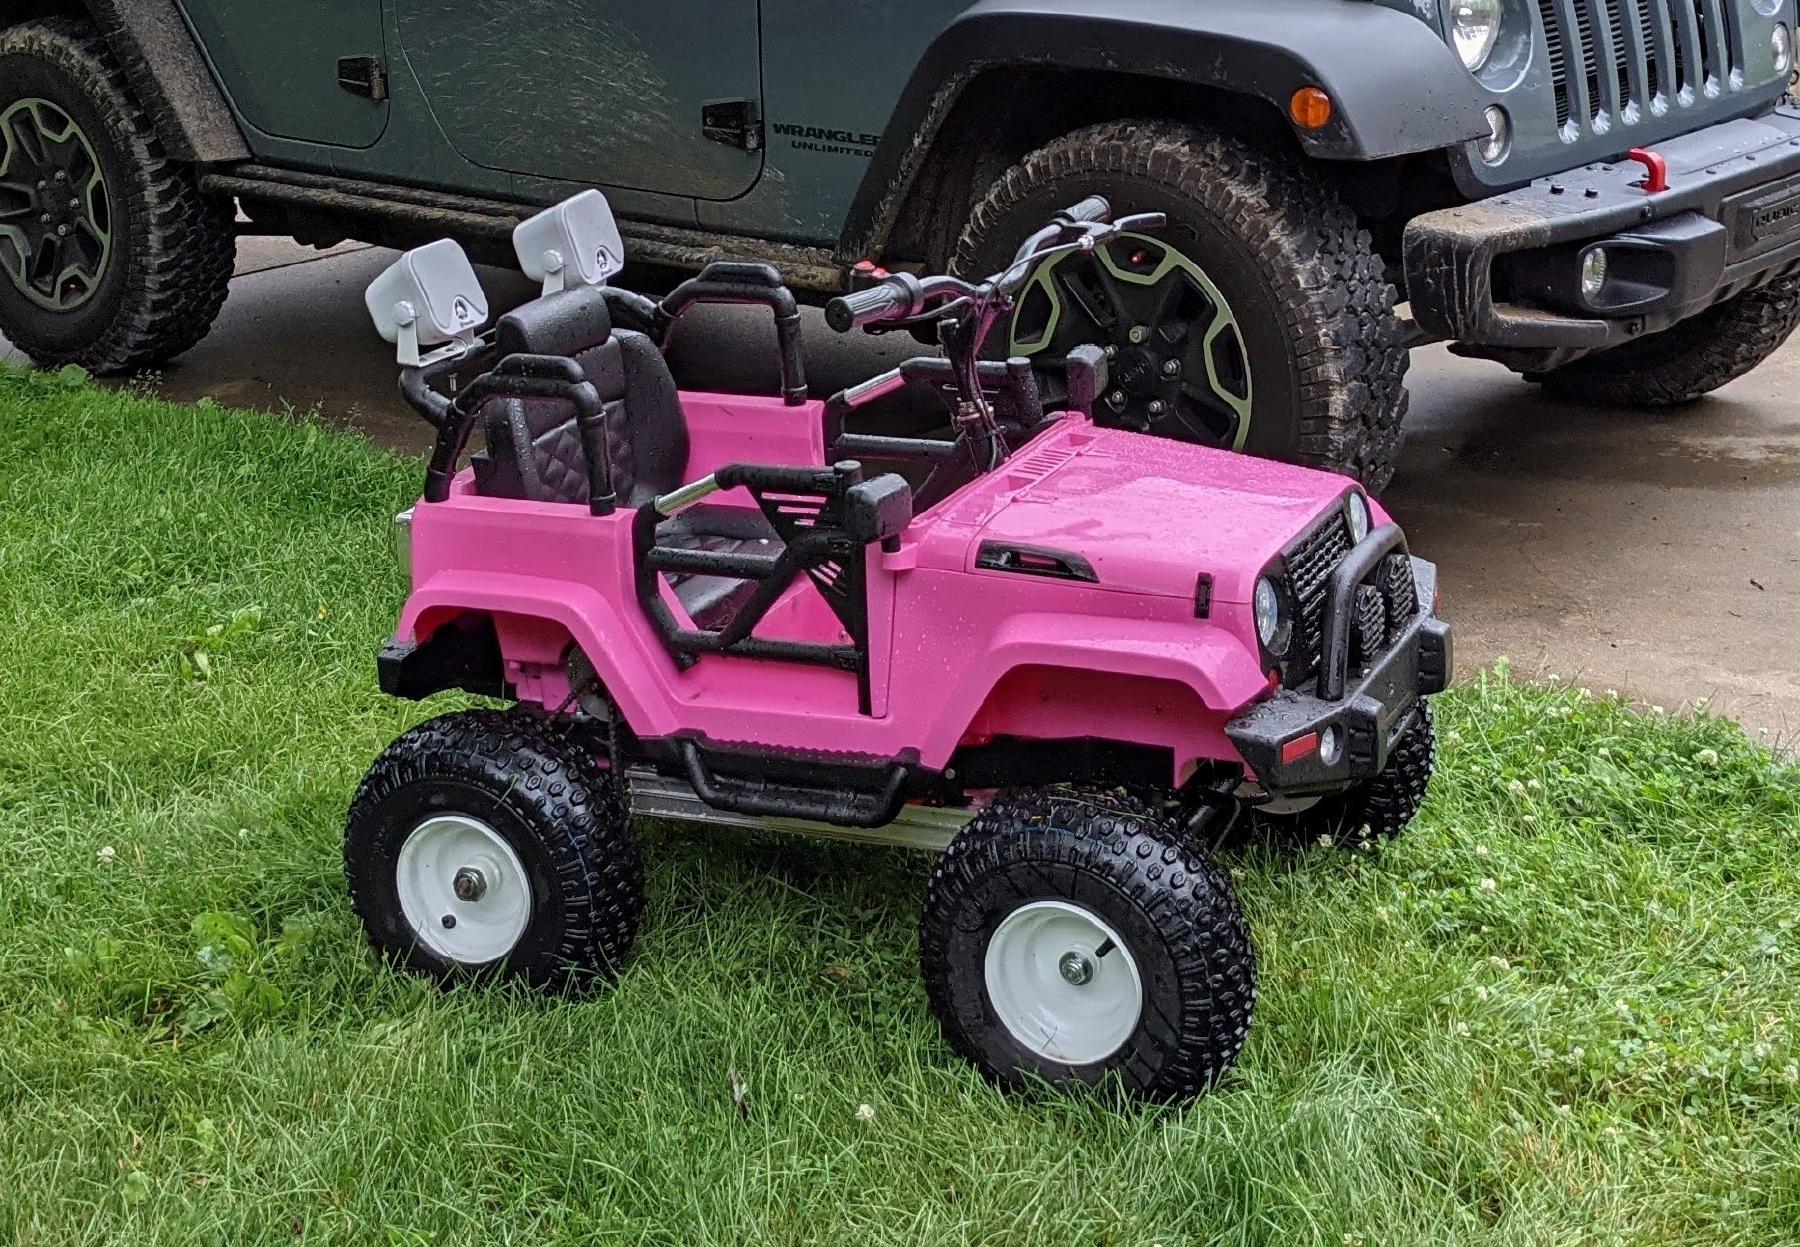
x,y
1321,265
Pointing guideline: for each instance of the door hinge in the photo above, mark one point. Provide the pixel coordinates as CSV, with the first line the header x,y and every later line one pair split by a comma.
x,y
363,75
735,123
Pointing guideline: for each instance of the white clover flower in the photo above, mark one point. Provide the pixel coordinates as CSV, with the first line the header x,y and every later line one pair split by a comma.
x,y
1530,820
1562,1110
1517,788
1453,737
1790,1073
1604,752
1499,962
1575,1055
1481,850
1585,693
865,1112
1481,992
1707,757
106,854
1534,785
1488,885
1325,841
1462,1030
1381,912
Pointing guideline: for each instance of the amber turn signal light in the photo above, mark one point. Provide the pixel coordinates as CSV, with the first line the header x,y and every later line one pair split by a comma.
x,y
1310,108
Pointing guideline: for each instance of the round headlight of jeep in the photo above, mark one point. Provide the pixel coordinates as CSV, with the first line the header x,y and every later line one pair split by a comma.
x,y
1356,510
1473,27
1271,625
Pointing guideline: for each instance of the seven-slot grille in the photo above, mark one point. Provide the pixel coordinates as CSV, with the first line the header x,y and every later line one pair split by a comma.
x,y
1611,60
1308,568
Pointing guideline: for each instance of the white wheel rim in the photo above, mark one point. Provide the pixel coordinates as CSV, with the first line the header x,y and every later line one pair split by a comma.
x,y
1047,1008
483,923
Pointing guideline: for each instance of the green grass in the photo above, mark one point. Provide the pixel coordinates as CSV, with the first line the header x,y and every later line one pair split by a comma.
x,y
195,1046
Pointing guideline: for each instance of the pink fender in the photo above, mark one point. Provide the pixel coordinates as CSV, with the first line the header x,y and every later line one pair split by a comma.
x,y
521,605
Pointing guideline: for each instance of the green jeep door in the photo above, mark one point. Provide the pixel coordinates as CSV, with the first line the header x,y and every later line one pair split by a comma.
x,y
601,91
279,63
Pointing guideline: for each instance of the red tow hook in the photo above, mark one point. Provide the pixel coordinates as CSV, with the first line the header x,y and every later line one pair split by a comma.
x,y
1656,169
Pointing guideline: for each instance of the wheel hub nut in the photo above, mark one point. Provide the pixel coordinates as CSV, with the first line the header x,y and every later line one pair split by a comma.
x,y
469,884
1171,367
1076,968
1139,334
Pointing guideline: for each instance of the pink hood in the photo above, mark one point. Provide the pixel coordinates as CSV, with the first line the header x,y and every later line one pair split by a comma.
x,y
1149,514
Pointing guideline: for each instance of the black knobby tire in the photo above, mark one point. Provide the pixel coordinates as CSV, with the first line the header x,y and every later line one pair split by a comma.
x,y
1177,914
173,247
1689,359
1316,311
559,809
1376,809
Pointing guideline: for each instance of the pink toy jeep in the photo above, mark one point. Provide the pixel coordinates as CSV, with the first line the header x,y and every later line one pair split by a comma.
x,y
1066,656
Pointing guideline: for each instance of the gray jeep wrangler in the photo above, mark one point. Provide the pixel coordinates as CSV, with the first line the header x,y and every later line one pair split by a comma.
x,y
1600,194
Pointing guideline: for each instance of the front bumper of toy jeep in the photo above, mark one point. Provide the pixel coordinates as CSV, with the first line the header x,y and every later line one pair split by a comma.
x,y
1298,743
1503,276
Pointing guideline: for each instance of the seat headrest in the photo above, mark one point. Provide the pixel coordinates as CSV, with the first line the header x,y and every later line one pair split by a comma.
x,y
565,323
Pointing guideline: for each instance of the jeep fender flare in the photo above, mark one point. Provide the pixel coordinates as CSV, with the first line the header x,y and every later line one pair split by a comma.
x,y
166,69
1214,665
522,607
1397,88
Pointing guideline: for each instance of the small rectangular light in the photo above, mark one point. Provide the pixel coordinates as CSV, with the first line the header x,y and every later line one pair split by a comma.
x,y
1300,747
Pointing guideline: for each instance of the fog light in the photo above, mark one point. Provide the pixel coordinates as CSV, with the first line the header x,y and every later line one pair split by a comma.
x,y
1331,745
1781,43
1593,273
1499,136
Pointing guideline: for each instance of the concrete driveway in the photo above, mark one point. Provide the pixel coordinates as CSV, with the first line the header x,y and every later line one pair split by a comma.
x,y
1655,554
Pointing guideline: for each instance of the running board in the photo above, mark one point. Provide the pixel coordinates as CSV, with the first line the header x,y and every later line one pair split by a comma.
x,y
927,827
431,214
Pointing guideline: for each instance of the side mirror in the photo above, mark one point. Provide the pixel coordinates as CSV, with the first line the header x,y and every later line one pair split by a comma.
x,y
429,303
575,243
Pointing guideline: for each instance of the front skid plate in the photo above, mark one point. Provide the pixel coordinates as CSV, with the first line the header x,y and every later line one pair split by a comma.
x,y
926,827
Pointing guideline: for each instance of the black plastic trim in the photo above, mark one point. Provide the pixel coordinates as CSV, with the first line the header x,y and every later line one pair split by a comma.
x,y
1023,560
463,654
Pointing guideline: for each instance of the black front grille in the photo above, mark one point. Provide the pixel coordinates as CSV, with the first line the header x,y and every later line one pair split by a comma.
x,y
1614,61
1309,567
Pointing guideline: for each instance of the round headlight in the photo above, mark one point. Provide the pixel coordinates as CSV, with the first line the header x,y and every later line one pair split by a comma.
x,y
1473,26
1271,628
1356,510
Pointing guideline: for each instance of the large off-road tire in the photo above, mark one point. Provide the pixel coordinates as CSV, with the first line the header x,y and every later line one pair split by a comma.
x,y
110,256
1305,360
1687,360
1079,942
492,843
1376,809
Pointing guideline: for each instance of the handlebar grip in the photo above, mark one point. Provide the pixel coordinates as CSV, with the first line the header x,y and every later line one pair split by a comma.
x,y
1094,210
892,298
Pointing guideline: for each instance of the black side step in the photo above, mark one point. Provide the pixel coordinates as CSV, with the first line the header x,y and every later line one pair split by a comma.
x,y
427,214
852,795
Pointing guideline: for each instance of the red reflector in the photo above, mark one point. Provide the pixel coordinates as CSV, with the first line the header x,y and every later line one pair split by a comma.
x,y
1300,747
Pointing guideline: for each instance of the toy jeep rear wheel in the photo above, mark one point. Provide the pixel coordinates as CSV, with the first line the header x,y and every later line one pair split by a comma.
x,y
110,257
1260,319
1689,359
487,844
1079,942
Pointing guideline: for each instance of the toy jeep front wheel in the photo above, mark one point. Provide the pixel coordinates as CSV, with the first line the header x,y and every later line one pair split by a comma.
x,y
488,843
1076,941
1260,319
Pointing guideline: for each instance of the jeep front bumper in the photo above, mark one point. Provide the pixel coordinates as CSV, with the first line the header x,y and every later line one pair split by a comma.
x,y
1503,275
1280,737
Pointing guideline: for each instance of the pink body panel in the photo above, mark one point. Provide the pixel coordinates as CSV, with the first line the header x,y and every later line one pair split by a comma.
x,y
956,653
